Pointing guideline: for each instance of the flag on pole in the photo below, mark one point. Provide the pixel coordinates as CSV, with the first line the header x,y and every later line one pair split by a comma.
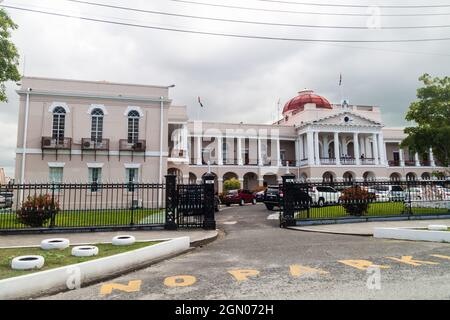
x,y
340,78
200,102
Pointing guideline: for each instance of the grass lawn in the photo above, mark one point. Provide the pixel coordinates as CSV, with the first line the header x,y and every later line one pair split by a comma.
x,y
92,218
375,209
57,258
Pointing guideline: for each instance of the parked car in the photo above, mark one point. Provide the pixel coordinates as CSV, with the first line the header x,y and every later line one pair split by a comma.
x,y
324,195
6,201
241,197
414,193
273,198
259,196
381,193
396,193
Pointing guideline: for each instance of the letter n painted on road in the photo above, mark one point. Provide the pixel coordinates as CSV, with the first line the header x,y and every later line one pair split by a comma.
x,y
361,264
132,286
409,260
243,274
299,270
180,281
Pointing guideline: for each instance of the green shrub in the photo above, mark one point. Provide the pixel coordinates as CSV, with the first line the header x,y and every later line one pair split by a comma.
x,y
355,200
37,210
231,184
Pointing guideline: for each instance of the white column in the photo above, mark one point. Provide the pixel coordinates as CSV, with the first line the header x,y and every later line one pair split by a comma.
x,y
239,152
301,147
362,146
416,159
316,148
337,152
260,160
356,148
382,147
432,162
344,145
199,150
279,164
220,150
310,147
402,157
325,146
369,153
375,148
297,151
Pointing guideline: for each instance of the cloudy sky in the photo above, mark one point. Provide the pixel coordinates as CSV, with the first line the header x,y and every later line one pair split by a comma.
x,y
237,79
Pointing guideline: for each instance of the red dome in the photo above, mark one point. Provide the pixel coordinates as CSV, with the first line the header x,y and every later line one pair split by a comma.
x,y
306,96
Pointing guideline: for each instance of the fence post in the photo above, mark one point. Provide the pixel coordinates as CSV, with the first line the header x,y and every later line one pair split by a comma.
x,y
209,222
52,207
171,202
287,218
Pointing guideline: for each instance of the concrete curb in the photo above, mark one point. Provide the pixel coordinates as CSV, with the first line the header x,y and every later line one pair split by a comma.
x,y
412,234
331,232
54,280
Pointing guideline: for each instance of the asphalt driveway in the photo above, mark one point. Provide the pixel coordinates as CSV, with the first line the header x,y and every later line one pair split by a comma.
x,y
255,259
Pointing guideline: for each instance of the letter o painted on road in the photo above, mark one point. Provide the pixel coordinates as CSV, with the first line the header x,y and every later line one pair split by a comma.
x,y
180,281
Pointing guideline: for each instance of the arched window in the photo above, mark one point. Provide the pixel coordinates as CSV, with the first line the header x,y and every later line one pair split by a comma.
x,y
97,125
59,121
133,126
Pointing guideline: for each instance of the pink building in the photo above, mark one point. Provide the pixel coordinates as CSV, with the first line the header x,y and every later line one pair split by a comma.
x,y
99,131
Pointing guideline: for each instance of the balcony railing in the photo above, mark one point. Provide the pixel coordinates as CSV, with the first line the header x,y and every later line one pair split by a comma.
x,y
410,163
94,144
136,146
394,163
327,161
49,143
133,147
348,161
425,163
56,144
367,161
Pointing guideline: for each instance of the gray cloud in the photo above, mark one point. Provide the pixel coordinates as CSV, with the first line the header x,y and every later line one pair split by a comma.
x,y
238,79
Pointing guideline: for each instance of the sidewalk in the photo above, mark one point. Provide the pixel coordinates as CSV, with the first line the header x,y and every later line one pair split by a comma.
x,y
197,237
366,228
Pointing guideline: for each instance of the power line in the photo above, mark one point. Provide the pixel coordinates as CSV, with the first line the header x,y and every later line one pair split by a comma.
x,y
357,5
231,35
251,22
312,13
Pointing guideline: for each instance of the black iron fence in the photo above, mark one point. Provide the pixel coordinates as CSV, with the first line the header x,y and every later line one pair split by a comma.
x,y
368,200
100,206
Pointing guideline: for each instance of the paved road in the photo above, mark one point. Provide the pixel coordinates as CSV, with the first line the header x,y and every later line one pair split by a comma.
x,y
257,260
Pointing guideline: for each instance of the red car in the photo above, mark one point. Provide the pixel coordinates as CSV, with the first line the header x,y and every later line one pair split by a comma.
x,y
239,197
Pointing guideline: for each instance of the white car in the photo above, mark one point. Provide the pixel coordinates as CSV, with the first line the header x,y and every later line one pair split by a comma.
x,y
324,195
414,193
5,202
381,193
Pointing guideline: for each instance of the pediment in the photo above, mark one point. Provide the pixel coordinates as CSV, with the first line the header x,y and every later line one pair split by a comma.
x,y
346,119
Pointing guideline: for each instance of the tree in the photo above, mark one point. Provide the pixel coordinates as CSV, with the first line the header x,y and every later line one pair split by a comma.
x,y
431,113
9,57
231,184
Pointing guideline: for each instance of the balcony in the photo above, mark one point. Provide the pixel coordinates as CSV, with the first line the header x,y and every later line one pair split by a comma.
x,y
327,161
394,163
348,161
56,144
425,163
137,146
410,163
368,161
88,144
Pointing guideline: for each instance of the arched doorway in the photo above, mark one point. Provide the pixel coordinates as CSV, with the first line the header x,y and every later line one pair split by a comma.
x,y
176,172
328,177
369,176
395,176
425,176
192,178
411,176
250,181
348,176
228,176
